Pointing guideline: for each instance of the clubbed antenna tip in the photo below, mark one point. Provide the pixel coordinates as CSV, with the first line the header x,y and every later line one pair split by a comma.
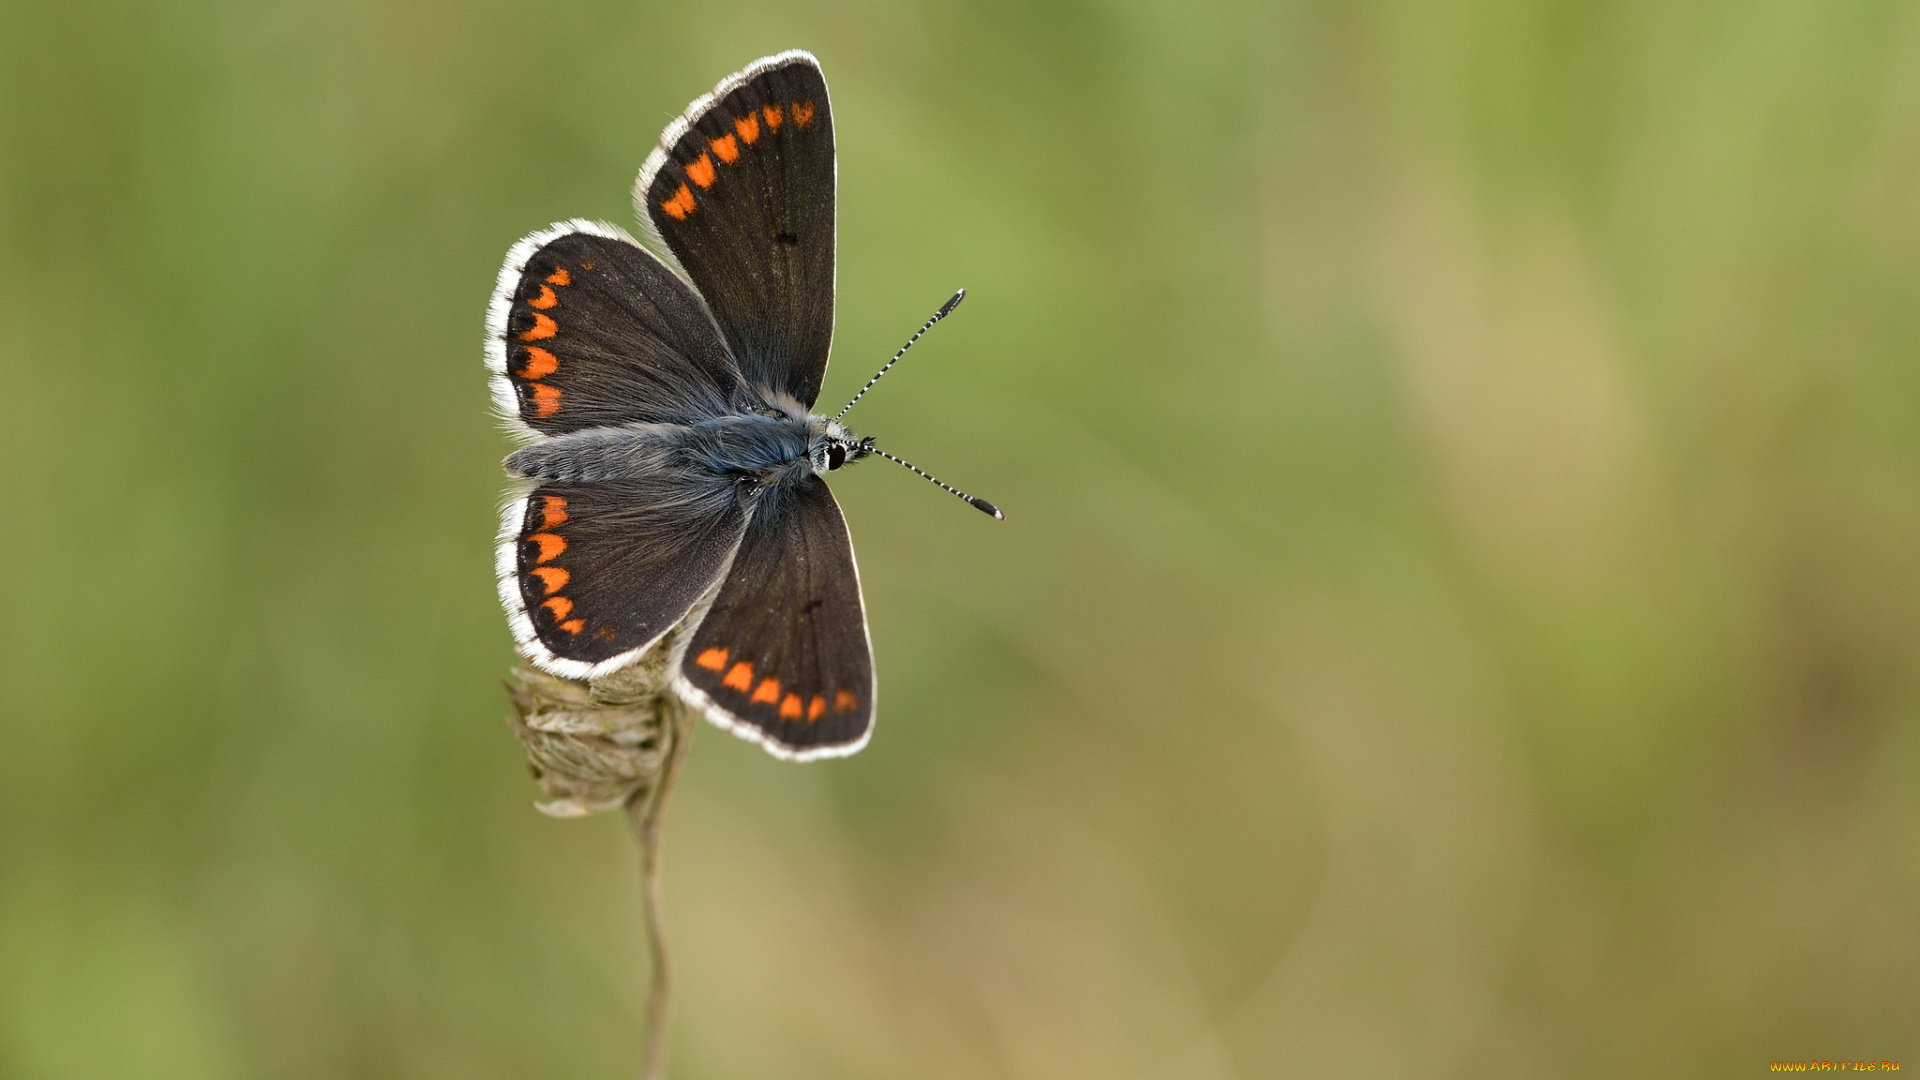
x,y
978,503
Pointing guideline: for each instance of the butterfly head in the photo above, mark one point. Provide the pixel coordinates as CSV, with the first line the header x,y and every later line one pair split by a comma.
x,y
832,446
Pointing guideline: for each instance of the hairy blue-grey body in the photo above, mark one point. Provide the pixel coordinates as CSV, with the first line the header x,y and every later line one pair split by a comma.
x,y
746,456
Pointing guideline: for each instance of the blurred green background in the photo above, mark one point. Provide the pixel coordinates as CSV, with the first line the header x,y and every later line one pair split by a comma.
x,y
1456,614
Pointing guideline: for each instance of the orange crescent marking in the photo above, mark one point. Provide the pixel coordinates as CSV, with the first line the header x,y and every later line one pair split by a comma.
x,y
768,692
553,511
772,113
560,606
803,113
727,150
545,300
680,205
546,399
573,627
790,707
844,701
543,327
749,128
740,678
713,659
560,276
551,545
701,171
815,707
554,578
540,363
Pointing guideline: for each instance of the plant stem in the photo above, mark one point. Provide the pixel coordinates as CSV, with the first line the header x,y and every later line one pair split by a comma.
x,y
643,814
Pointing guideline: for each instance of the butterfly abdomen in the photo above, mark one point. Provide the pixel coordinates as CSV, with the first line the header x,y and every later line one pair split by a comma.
x,y
602,454
740,446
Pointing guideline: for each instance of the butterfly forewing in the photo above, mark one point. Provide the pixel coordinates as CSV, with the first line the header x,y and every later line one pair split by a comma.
x,y
593,573
588,328
741,190
782,655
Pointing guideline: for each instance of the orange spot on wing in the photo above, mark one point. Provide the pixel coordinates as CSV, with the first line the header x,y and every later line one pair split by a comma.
x,y
546,399
545,300
772,113
790,707
769,691
559,276
560,606
803,113
701,171
551,545
725,148
573,626
543,327
553,511
553,578
540,363
740,678
749,128
605,633
680,205
815,707
844,701
713,659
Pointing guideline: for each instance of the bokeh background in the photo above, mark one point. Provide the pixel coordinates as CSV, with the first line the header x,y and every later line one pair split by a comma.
x,y
1456,614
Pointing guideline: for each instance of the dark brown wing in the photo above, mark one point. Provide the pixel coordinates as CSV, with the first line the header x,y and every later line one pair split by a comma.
x,y
587,328
741,191
592,575
782,656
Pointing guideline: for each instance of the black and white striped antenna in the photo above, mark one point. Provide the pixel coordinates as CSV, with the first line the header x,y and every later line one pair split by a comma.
x,y
945,310
866,445
979,503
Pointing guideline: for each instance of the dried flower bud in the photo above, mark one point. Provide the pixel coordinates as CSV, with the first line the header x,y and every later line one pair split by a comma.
x,y
596,746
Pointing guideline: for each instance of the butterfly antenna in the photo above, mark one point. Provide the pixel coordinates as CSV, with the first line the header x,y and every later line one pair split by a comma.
x,y
945,310
979,504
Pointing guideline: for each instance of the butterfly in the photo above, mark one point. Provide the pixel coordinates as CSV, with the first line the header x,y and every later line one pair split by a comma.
x,y
673,462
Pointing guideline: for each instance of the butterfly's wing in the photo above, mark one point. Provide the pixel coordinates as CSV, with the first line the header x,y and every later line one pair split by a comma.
x,y
782,655
741,191
592,575
587,328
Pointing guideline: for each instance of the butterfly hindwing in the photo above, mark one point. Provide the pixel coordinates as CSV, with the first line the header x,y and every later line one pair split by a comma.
x,y
741,191
782,655
593,574
587,328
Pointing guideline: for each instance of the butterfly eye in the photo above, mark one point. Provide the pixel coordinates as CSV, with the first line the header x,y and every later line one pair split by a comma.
x,y
836,456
